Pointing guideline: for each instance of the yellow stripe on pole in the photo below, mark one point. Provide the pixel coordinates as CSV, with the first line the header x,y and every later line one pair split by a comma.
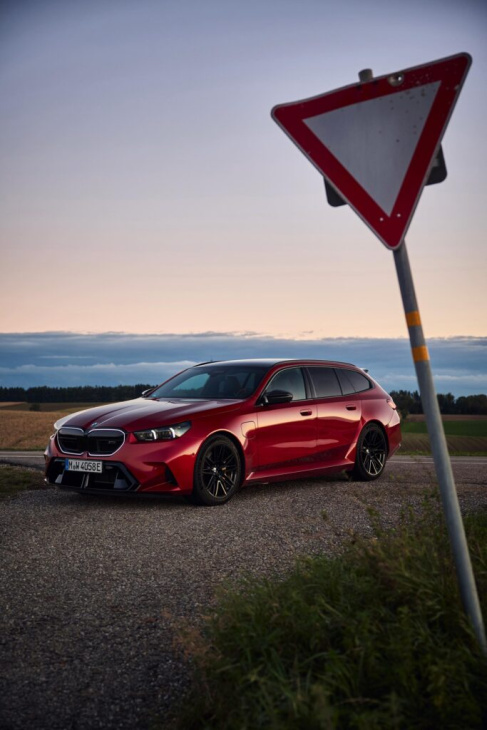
x,y
413,319
420,353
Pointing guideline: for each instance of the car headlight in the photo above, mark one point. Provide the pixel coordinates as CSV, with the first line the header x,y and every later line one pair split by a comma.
x,y
166,433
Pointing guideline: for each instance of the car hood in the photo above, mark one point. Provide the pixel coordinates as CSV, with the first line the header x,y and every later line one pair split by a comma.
x,y
143,413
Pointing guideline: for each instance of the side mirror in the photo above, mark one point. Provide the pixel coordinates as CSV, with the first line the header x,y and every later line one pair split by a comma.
x,y
146,392
276,396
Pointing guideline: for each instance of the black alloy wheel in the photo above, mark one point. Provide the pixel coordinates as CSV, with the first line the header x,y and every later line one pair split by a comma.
x,y
371,453
218,471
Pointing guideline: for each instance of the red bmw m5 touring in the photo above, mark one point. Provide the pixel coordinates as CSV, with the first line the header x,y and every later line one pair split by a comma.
x,y
220,425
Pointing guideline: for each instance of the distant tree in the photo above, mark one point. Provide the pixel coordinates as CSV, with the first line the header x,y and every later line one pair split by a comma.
x,y
12,394
82,393
472,405
446,403
403,401
407,401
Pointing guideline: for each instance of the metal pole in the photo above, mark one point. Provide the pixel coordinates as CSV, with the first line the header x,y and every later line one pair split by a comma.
x,y
439,447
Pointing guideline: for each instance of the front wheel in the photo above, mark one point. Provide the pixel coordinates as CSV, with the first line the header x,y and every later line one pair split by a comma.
x,y
371,453
218,471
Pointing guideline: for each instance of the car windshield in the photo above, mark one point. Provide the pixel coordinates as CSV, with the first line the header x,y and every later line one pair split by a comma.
x,y
213,382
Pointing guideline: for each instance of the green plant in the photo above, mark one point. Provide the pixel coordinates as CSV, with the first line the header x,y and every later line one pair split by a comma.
x,y
375,638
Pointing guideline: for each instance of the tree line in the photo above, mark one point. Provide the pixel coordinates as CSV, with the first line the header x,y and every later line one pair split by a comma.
x,y
406,401
73,394
469,405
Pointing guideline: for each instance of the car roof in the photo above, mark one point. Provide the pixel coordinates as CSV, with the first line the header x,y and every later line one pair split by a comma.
x,y
270,362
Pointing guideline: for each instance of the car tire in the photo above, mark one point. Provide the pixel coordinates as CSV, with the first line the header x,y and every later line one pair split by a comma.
x,y
371,454
217,472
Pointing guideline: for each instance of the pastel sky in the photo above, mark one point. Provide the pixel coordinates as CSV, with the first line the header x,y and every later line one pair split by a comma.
x,y
144,187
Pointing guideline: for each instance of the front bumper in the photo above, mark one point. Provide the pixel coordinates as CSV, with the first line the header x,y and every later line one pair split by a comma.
x,y
115,477
135,468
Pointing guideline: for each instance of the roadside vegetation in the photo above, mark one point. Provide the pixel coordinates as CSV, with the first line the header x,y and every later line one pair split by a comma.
x,y
375,638
15,479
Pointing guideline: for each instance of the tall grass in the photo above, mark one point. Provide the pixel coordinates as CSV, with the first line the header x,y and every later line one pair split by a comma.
x,y
375,638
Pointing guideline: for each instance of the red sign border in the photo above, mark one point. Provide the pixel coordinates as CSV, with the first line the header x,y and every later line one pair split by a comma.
x,y
390,229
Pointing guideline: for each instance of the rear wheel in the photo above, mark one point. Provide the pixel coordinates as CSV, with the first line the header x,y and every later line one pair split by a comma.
x,y
218,471
371,453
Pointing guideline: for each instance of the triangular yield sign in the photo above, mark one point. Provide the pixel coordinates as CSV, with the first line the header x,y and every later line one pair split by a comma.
x,y
376,141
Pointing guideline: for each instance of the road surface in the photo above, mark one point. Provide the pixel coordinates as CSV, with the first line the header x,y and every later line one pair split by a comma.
x,y
95,591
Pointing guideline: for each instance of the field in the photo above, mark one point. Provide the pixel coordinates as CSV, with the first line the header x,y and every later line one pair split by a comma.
x,y
21,429
464,435
65,407
454,426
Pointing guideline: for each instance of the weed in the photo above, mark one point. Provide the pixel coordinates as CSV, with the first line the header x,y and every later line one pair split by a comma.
x,y
374,638
15,479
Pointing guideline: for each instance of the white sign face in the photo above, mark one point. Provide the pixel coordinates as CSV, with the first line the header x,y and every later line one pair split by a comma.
x,y
376,141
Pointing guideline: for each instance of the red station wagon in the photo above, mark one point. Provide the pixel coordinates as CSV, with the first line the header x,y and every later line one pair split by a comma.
x,y
220,425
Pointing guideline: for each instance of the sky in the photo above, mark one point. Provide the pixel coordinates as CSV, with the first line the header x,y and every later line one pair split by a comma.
x,y
66,358
145,189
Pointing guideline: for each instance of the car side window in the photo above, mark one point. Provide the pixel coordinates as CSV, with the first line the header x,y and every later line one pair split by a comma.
x,y
325,382
352,381
345,383
291,380
359,381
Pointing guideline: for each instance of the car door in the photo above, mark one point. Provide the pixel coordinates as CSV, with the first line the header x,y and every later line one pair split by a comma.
x,y
286,432
338,415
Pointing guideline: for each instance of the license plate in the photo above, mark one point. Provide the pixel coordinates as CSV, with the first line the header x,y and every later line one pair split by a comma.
x,y
95,467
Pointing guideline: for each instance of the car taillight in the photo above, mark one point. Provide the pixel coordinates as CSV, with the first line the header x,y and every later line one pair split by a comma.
x,y
391,403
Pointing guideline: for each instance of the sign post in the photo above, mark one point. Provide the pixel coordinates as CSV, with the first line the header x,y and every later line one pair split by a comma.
x,y
375,142
439,448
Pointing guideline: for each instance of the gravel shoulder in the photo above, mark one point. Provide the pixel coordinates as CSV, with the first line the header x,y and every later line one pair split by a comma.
x,y
95,590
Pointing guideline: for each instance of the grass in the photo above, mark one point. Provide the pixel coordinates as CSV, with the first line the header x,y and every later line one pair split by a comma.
x,y
463,436
476,428
373,639
15,479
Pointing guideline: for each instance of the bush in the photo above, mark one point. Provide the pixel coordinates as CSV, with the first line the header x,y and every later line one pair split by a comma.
x,y
375,638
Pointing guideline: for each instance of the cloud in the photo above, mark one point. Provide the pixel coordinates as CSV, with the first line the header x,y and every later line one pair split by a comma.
x,y
111,358
97,374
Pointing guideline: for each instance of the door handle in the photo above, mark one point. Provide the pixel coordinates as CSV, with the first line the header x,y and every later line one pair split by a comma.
x,y
351,408
306,413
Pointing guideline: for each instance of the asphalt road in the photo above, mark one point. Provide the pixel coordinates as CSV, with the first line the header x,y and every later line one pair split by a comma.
x,y
95,591
34,459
